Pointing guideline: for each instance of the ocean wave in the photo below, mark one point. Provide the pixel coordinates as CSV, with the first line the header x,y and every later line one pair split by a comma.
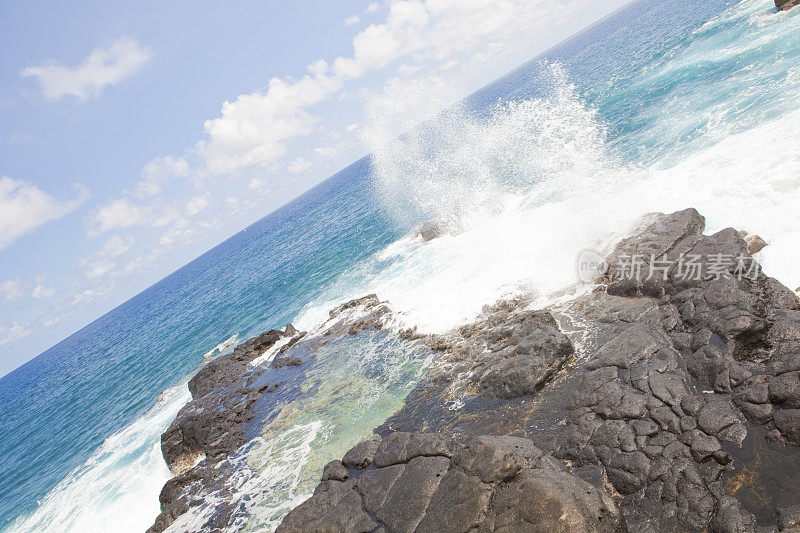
x,y
116,488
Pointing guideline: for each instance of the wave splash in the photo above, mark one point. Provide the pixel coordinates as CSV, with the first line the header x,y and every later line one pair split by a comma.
x,y
536,148
116,489
532,183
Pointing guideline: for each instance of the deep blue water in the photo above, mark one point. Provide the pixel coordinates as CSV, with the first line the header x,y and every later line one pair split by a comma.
x,y
667,83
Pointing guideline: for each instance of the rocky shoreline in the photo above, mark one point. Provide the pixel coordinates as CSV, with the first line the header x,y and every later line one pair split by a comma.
x,y
660,403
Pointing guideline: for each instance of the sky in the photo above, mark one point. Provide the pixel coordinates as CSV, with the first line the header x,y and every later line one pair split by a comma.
x,y
136,136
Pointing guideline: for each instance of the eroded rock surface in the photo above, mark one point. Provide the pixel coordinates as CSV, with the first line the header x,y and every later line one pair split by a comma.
x,y
677,380
427,482
785,5
655,402
226,395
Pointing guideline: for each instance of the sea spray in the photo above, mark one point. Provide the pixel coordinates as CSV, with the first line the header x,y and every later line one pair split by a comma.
x,y
346,383
117,488
704,128
708,120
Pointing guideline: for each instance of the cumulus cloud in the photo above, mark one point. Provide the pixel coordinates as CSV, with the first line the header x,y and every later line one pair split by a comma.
x,y
16,289
350,21
103,261
325,151
12,289
299,165
13,332
41,292
253,129
24,207
196,204
124,213
119,214
102,68
256,128
160,171
258,184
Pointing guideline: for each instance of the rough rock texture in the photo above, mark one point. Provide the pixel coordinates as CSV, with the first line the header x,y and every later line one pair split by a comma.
x,y
225,394
427,482
486,373
785,5
677,368
211,426
445,223
755,243
682,402
655,402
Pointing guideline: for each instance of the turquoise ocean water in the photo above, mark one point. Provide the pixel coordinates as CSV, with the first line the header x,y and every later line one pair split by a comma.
x,y
666,104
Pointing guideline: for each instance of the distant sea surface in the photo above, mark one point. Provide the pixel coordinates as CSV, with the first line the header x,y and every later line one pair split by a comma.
x,y
664,105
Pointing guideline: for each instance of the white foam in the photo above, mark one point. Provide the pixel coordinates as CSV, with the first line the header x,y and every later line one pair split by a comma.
x,y
265,492
117,488
546,160
548,163
221,347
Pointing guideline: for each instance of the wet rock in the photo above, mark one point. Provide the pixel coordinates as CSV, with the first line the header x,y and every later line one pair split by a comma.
x,y
335,471
785,390
446,223
338,508
785,5
731,518
787,421
491,483
755,243
719,418
789,518
367,302
512,429
280,362
213,426
361,455
503,359
401,447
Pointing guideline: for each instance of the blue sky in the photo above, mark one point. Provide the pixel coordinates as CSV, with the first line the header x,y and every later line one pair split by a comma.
x,y
136,136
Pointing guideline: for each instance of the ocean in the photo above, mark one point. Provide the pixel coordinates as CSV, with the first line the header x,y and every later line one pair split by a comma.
x,y
663,105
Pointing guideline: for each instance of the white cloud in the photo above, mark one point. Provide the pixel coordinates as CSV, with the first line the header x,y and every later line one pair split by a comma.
x,y
159,172
123,213
16,289
352,127
258,184
196,204
325,151
42,292
50,321
13,332
88,295
104,67
102,261
25,207
372,8
299,165
12,289
350,21
120,214
255,129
